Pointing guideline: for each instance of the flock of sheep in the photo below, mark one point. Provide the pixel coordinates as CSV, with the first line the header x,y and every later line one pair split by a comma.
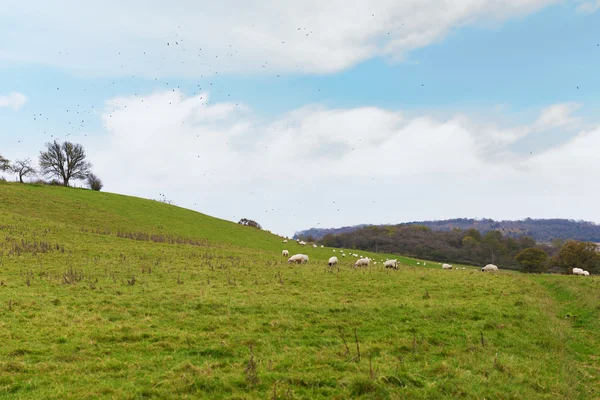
x,y
393,264
362,261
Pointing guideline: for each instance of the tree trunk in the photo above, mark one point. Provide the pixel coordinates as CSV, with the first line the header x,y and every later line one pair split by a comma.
x,y
20,177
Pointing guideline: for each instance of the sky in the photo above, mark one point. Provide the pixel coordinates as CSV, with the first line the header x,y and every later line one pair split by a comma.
x,y
305,114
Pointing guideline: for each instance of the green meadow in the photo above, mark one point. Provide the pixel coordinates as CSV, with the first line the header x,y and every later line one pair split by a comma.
x,y
116,297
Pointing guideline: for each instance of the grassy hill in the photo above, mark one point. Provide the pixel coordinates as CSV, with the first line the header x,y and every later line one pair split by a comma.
x,y
108,296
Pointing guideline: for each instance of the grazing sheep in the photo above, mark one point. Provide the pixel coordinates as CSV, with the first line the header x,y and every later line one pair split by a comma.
x,y
489,268
391,264
285,241
464,268
343,255
296,258
315,246
418,263
334,250
322,246
285,253
363,262
332,261
585,273
446,266
577,271
304,258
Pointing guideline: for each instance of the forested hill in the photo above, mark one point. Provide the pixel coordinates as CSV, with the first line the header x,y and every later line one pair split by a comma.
x,y
542,230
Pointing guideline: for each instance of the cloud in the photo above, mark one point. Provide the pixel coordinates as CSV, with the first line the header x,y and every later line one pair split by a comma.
x,y
194,38
13,100
317,166
589,7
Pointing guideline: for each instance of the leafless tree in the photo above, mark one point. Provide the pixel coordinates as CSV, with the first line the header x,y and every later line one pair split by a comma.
x,y
65,161
4,164
22,168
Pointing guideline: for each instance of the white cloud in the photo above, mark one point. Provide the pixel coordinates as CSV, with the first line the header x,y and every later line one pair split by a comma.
x,y
589,7
327,167
260,36
13,100
558,116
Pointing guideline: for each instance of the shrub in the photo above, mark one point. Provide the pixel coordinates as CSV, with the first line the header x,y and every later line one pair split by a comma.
x,y
94,182
249,222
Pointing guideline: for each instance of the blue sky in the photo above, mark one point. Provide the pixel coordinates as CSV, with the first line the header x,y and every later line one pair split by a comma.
x,y
491,73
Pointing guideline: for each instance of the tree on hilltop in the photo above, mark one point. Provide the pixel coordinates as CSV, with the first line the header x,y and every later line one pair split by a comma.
x,y
4,164
22,168
65,161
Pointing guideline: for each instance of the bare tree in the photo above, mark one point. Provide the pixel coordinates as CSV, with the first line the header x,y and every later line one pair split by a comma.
x,y
65,161
4,164
22,168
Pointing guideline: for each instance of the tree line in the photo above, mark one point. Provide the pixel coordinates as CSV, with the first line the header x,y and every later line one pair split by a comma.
x,y
470,247
60,162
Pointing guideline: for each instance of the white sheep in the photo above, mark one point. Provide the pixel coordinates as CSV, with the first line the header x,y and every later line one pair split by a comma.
x,y
315,246
285,241
322,246
577,271
296,258
391,264
332,261
446,266
285,253
362,262
304,258
489,268
334,250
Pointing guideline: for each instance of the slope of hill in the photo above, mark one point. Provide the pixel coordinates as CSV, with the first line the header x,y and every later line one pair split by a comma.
x,y
542,230
108,296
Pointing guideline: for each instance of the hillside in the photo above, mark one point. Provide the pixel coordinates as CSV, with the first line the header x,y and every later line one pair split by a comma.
x,y
109,296
542,230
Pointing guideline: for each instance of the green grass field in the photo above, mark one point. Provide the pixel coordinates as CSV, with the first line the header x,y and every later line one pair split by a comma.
x,y
107,296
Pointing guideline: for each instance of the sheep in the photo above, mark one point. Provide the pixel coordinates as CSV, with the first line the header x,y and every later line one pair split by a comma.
x,y
296,258
446,266
577,271
585,273
362,262
489,268
322,246
285,241
285,253
314,246
332,261
334,250
343,255
418,263
304,258
464,268
391,264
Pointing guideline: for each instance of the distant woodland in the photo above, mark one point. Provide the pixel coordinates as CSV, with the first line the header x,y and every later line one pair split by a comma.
x,y
542,230
470,246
